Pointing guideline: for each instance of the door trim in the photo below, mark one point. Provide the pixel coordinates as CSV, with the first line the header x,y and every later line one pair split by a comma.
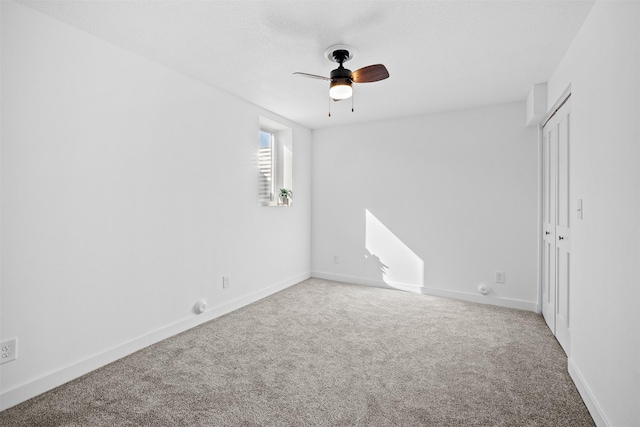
x,y
540,216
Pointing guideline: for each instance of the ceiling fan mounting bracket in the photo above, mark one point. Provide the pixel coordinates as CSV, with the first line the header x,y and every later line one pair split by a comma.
x,y
339,53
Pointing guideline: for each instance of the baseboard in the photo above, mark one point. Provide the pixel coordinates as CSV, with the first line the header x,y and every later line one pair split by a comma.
x,y
464,296
587,396
220,310
57,378
49,381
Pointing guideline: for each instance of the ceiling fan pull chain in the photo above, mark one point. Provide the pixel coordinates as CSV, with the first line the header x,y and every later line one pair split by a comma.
x,y
329,106
352,96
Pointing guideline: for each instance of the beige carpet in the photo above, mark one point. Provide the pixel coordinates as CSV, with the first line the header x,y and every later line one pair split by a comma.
x,y
329,354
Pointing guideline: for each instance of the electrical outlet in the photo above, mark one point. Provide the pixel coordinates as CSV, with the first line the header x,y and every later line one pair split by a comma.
x,y
500,277
9,350
225,282
336,259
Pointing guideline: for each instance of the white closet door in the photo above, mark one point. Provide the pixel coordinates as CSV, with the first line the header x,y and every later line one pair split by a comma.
x,y
549,152
556,261
563,227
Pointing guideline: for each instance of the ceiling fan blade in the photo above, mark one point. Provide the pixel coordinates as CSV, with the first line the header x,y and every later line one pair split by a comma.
x,y
372,73
313,76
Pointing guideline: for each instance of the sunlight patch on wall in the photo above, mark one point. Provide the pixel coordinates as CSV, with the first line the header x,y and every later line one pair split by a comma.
x,y
398,265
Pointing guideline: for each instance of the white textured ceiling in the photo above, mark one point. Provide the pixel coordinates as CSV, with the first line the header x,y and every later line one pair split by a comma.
x,y
441,55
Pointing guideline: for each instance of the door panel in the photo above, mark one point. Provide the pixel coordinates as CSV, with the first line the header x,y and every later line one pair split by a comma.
x,y
548,227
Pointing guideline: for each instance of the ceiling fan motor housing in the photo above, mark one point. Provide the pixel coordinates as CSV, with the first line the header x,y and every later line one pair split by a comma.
x,y
340,74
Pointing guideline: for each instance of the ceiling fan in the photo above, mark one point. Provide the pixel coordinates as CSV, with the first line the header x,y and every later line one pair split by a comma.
x,y
342,78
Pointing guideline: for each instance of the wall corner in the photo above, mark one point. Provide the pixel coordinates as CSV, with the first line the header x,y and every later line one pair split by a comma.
x,y
536,104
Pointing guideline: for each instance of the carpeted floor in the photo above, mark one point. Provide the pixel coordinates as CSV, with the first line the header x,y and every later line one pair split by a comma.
x,y
330,354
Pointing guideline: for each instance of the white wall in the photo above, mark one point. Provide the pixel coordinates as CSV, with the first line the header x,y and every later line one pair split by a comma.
x,y
443,201
603,67
128,190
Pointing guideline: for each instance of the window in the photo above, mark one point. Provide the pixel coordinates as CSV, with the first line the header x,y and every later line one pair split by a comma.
x,y
275,161
266,187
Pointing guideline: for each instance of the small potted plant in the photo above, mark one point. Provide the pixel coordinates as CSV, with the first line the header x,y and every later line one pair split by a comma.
x,y
285,195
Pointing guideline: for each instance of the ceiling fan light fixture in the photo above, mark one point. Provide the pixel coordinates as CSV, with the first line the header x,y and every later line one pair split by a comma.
x,y
340,89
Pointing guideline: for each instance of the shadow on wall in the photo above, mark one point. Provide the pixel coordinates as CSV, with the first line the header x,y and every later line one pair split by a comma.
x,y
390,258
374,266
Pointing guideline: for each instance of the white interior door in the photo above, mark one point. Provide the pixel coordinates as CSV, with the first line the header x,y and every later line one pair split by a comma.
x,y
563,227
549,152
556,261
